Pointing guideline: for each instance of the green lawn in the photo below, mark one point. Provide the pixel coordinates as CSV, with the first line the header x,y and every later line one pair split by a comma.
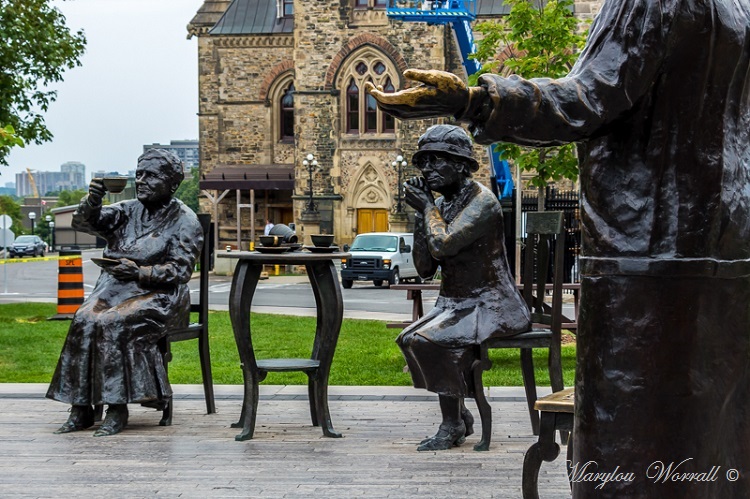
x,y
366,353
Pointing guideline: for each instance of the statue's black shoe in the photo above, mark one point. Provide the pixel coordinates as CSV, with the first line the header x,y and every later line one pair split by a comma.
x,y
446,437
115,421
81,417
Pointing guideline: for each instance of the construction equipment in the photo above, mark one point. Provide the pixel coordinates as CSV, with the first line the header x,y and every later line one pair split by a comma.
x,y
32,182
459,14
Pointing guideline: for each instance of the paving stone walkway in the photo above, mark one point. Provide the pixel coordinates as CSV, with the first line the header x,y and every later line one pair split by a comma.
x,y
198,456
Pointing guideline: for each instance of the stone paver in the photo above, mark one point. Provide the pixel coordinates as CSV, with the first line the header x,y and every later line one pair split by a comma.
x,y
198,456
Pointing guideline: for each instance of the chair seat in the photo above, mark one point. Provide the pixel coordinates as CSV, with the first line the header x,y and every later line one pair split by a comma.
x,y
284,365
561,401
536,338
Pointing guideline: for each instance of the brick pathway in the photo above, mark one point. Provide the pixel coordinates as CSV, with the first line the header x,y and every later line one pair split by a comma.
x,y
198,456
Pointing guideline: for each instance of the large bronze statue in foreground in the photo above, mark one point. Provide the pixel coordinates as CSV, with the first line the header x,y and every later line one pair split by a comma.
x,y
660,103
111,355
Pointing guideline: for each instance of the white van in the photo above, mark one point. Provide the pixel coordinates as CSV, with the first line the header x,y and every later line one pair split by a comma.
x,y
379,257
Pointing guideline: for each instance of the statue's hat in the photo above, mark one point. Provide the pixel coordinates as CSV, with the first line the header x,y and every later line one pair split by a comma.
x,y
448,139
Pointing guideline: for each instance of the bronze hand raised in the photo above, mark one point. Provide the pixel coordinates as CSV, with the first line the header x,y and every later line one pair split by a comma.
x,y
440,94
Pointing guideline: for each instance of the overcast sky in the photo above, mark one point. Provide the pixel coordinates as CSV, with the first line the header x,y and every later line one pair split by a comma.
x,y
138,85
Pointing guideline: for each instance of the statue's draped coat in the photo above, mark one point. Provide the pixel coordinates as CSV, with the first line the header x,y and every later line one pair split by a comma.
x,y
111,354
659,102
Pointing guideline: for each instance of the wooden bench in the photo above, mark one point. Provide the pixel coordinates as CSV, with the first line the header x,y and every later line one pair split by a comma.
x,y
556,414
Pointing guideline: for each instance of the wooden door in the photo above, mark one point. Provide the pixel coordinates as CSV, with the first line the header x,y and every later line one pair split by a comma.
x,y
372,220
381,220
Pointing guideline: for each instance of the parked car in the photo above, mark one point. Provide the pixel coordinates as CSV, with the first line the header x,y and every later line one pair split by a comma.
x,y
26,246
380,257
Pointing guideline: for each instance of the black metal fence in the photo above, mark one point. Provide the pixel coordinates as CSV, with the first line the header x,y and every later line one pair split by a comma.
x,y
554,200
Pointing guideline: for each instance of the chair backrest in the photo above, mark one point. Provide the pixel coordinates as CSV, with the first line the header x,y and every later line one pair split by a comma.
x,y
545,239
205,262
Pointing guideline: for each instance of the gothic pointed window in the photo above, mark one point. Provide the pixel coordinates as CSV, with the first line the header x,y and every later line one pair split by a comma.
x,y
362,115
286,120
371,114
352,107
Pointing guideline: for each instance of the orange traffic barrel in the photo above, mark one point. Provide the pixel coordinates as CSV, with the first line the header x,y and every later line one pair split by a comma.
x,y
69,284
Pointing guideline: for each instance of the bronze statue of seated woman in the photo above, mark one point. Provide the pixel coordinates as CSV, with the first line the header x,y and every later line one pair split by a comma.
x,y
111,354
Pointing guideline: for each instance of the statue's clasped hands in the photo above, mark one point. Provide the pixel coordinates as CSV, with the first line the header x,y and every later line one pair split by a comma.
x,y
417,194
440,94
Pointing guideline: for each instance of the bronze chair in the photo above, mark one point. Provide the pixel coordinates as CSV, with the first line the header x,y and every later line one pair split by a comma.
x,y
545,231
195,330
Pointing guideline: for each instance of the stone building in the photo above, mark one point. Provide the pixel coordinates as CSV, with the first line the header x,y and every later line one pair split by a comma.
x,y
283,79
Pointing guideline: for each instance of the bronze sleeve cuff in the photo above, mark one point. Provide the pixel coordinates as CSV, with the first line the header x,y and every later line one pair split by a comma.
x,y
478,107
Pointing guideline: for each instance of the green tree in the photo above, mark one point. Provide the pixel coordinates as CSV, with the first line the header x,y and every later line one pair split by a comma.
x,y
8,137
37,47
533,41
9,206
69,198
188,190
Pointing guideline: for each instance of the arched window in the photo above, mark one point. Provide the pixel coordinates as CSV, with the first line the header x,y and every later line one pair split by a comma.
x,y
286,120
280,99
352,107
362,115
371,114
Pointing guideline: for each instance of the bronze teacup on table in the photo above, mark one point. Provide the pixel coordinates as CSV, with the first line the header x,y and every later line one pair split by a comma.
x,y
270,240
322,240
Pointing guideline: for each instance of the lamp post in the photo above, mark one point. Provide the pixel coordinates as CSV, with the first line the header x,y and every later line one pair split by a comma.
x,y
51,225
32,217
399,164
311,164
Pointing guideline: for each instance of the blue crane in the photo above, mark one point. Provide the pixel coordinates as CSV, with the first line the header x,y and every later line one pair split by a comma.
x,y
459,14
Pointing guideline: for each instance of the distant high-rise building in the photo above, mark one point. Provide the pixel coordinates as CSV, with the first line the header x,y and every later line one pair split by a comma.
x,y
72,176
76,173
186,150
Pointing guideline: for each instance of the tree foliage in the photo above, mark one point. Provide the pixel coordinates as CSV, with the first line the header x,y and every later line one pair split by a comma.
x,y
533,41
36,48
70,198
8,137
188,190
8,206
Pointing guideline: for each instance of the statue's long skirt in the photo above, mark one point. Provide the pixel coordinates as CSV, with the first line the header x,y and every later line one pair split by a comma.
x,y
663,379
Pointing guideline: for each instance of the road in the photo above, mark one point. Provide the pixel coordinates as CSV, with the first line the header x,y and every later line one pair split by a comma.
x,y
36,280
